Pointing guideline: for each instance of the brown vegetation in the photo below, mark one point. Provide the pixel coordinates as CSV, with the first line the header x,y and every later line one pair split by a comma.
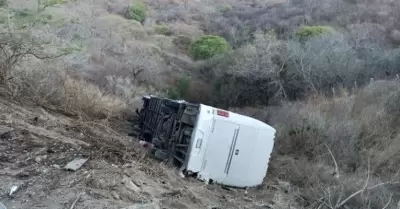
x,y
333,98
342,146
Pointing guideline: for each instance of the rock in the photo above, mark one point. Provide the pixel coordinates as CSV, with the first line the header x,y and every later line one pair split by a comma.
x,y
4,129
40,151
22,175
127,165
267,206
395,35
56,166
173,203
115,195
75,164
129,184
39,159
45,171
175,193
7,135
143,206
285,186
13,190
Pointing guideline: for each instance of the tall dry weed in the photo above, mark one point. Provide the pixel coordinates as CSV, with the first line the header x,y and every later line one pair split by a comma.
x,y
341,151
49,85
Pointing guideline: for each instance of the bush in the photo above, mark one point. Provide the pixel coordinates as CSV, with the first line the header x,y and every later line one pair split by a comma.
x,y
3,3
307,32
208,46
346,142
392,107
179,90
254,75
182,42
232,90
162,29
49,3
55,89
224,8
137,12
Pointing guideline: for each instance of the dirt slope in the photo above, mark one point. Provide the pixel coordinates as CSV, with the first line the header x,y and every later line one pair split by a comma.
x,y
35,145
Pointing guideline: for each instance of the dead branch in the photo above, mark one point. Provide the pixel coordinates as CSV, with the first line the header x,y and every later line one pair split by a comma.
x,y
337,175
358,192
47,56
387,204
76,200
384,183
2,205
14,48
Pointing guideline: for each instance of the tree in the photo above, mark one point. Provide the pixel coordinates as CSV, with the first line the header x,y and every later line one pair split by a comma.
x,y
16,46
208,46
3,3
137,12
307,32
254,74
323,62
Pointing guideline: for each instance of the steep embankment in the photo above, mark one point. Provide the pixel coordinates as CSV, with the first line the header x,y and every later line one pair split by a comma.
x,y
36,144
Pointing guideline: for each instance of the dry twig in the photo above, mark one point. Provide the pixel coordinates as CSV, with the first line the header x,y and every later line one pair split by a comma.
x,y
76,200
355,193
334,161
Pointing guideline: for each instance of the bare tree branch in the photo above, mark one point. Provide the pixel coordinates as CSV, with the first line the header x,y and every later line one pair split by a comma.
x,y
15,47
387,204
358,192
337,175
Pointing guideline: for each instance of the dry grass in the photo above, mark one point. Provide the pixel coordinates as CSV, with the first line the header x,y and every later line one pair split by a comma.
x,y
127,29
330,148
180,28
357,132
48,85
119,59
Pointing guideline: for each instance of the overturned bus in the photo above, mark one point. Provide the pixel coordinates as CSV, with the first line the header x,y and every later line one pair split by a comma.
x,y
206,142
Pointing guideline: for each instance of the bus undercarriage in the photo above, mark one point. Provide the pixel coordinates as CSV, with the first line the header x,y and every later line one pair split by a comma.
x,y
168,125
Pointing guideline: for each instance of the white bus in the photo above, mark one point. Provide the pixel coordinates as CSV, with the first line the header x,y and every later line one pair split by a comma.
x,y
206,142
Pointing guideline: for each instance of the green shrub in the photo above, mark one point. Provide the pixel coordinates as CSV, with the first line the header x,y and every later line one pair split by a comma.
x,y
179,91
24,13
137,12
49,3
224,8
208,46
3,3
306,32
71,50
25,17
162,29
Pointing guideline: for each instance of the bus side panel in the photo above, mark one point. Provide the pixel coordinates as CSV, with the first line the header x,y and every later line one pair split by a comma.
x,y
262,154
243,157
219,149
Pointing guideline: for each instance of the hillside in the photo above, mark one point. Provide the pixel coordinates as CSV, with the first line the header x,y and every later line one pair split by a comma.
x,y
36,144
324,73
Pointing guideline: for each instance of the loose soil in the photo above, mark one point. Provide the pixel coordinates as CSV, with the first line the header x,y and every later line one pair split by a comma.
x,y
36,144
